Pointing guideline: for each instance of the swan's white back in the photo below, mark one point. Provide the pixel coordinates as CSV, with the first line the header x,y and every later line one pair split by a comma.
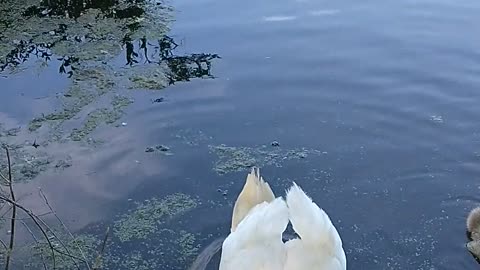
x,y
255,191
255,241
319,246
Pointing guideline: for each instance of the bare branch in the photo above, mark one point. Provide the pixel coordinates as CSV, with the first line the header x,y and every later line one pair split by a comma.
x,y
35,219
98,260
60,241
14,213
3,244
66,229
36,241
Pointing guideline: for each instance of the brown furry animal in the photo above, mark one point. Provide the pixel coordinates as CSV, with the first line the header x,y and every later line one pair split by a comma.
x,y
473,228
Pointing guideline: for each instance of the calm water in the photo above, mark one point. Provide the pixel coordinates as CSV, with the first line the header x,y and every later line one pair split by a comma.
x,y
388,90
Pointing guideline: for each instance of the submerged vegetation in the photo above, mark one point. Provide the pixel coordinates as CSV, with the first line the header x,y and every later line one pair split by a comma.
x,y
143,238
148,215
234,159
82,40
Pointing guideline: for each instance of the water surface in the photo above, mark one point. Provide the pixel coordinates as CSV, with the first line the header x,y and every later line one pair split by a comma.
x,y
384,93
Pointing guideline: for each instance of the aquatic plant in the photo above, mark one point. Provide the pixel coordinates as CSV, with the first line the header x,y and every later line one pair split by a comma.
x,y
148,215
234,159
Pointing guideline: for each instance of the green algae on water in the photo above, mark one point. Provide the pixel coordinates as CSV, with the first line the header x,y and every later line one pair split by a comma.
x,y
168,249
100,116
148,215
149,78
26,163
234,159
82,244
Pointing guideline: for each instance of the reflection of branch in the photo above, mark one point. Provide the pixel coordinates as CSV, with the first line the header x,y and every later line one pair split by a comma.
x,y
14,212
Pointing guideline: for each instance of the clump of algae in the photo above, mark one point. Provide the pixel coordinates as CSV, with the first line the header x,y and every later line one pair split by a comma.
x,y
81,245
28,162
78,96
148,215
99,116
149,78
234,159
169,249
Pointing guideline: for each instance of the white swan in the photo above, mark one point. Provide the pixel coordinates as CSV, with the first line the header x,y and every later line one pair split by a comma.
x,y
258,221
319,246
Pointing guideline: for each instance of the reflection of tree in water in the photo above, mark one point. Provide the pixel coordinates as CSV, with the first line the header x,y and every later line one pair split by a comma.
x,y
181,67
23,49
22,52
75,8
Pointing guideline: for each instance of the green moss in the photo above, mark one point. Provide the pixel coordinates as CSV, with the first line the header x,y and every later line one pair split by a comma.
x,y
145,219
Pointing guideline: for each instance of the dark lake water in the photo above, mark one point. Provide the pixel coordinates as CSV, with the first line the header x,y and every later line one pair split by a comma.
x,y
386,91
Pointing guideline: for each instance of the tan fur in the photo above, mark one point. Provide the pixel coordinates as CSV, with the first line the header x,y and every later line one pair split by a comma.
x,y
473,227
255,191
474,248
473,222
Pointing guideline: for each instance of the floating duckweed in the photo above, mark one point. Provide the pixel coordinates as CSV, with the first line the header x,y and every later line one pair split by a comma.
x,y
29,163
80,245
134,260
149,78
99,116
119,102
144,220
188,248
233,159
167,249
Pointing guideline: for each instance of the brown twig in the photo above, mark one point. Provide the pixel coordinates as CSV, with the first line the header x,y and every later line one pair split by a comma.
x,y
66,229
35,219
39,215
68,255
14,213
3,244
36,241
97,264
61,242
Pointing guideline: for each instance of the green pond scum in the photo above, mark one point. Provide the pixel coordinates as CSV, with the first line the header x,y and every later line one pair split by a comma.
x,y
81,247
83,40
167,249
235,159
147,216
141,239
99,116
